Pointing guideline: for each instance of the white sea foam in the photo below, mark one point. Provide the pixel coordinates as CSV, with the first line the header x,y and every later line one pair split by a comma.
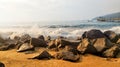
x,y
34,31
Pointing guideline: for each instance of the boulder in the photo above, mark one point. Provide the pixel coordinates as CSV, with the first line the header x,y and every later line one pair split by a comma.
x,y
41,37
38,42
67,55
118,41
93,34
25,38
52,44
71,49
25,47
43,55
1,64
61,43
6,46
111,35
86,47
101,44
111,52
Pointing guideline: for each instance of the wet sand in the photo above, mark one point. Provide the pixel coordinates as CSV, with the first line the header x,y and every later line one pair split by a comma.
x,y
13,59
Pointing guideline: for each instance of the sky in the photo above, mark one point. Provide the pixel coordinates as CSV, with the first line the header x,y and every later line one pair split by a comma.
x,y
20,11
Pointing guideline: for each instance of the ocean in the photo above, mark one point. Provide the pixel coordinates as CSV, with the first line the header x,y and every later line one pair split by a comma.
x,y
71,29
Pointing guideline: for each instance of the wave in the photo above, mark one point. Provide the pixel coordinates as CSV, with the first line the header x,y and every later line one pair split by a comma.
x,y
53,31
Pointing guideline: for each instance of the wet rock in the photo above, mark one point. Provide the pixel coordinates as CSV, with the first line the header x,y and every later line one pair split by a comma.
x,y
38,42
86,47
112,52
101,44
43,55
93,34
1,64
67,55
111,35
25,47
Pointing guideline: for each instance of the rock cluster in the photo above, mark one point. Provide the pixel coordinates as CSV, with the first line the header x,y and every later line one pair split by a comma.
x,y
105,44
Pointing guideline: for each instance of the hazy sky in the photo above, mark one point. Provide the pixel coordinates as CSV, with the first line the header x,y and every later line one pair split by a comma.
x,y
55,10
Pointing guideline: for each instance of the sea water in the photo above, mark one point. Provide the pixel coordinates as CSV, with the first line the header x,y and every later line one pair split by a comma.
x,y
71,29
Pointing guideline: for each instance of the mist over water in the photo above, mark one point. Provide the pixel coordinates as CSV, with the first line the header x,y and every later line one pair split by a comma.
x,y
53,29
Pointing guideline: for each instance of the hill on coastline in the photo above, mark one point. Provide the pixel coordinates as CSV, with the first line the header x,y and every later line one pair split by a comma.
x,y
114,17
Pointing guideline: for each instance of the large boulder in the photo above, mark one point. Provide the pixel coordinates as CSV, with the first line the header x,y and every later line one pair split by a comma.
x,y
43,55
86,47
25,47
93,34
1,64
102,44
111,52
111,35
67,55
38,42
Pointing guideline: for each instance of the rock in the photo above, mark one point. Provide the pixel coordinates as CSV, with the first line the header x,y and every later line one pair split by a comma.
x,y
25,47
6,47
52,44
1,40
61,43
111,35
71,49
38,42
111,52
118,42
86,47
66,55
48,38
25,38
101,44
41,37
43,55
1,64
93,34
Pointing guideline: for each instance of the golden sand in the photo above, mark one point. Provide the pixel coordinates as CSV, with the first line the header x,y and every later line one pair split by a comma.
x,y
13,59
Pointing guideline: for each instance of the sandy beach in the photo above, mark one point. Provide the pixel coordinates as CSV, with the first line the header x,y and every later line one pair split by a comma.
x,y
13,59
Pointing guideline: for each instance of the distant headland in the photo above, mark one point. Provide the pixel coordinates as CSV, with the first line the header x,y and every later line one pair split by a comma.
x,y
114,17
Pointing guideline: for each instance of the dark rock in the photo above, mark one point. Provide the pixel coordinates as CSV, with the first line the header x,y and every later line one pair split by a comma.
x,y
25,38
25,47
48,38
52,44
1,64
112,52
71,49
41,37
6,47
111,35
61,43
86,47
102,44
93,34
38,42
118,42
43,55
67,55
